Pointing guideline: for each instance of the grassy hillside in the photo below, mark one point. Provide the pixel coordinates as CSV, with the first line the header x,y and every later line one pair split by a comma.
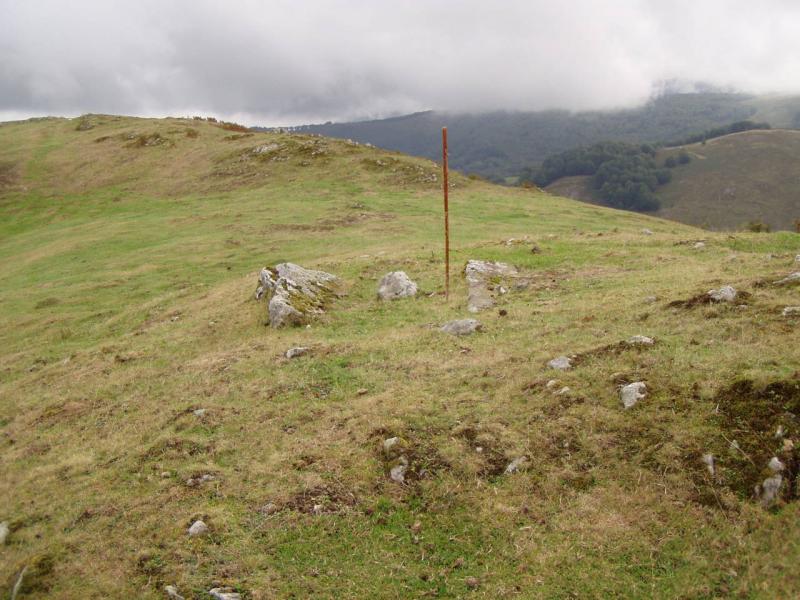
x,y
732,180
129,250
501,145
735,179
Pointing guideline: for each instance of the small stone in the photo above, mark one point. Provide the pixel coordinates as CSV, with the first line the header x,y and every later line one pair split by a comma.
x,y
317,509
723,294
479,449
472,582
461,327
562,363
515,465
699,245
646,231
165,474
769,489
198,528
362,391
564,391
797,258
396,285
632,393
270,508
172,593
789,279
4,531
416,527
641,340
551,384
224,594
398,473
779,432
791,311
708,461
650,299
775,465
295,352
390,443
788,445
199,412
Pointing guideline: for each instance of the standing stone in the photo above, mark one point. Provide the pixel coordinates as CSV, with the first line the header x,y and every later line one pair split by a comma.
x,y
631,394
396,285
295,294
483,277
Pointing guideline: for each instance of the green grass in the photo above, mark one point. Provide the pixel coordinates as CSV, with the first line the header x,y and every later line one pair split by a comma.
x,y
126,280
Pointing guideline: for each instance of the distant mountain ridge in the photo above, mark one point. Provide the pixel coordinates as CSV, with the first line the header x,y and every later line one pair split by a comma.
x,y
499,145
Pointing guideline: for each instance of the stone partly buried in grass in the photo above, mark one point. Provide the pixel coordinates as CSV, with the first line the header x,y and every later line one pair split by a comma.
x,y
396,285
461,327
295,294
631,394
484,282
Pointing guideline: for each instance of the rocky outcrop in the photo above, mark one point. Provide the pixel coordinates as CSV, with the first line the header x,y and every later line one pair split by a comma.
x,y
294,294
485,281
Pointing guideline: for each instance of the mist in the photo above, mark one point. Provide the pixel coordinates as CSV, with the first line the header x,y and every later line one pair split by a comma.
x,y
283,63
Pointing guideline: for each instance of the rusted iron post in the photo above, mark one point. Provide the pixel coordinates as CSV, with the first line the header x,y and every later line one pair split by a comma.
x,y
446,217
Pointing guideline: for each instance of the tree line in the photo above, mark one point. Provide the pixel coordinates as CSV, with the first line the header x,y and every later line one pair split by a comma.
x,y
624,175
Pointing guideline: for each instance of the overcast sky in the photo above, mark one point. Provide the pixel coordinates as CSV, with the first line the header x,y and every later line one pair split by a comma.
x,y
297,61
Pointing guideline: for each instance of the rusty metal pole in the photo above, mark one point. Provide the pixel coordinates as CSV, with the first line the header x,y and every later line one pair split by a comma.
x,y
446,218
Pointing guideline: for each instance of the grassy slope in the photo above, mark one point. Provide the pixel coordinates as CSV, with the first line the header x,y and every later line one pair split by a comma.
x,y
734,179
126,276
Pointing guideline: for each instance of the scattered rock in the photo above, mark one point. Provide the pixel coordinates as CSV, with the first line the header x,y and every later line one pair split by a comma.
x,y
398,472
198,528
199,479
416,527
775,465
724,294
224,594
641,340
362,391
769,489
551,384
265,148
708,461
792,279
515,465
564,391
650,299
390,443
172,593
295,352
633,392
646,231
791,311
396,285
699,245
295,294
483,277
562,363
779,432
270,508
199,412
461,327
4,531
472,582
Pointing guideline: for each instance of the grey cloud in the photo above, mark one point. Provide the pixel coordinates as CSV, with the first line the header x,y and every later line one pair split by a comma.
x,y
286,62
